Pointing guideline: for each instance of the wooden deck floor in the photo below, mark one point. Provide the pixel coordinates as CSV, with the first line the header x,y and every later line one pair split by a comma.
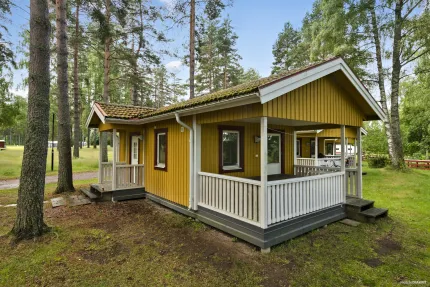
x,y
107,187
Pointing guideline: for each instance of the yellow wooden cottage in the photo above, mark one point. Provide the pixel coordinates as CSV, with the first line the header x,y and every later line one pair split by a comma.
x,y
231,158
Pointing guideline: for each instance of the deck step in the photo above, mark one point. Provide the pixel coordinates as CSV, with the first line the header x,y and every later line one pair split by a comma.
x,y
87,191
358,204
374,213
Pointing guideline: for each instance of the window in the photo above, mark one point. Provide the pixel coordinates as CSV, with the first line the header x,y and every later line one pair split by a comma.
x,y
312,148
160,159
231,149
298,147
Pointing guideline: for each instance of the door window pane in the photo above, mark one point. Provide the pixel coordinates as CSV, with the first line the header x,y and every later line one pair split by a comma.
x,y
230,148
273,143
135,150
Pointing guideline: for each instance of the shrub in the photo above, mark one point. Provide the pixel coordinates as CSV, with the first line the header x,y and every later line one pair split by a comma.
x,y
378,161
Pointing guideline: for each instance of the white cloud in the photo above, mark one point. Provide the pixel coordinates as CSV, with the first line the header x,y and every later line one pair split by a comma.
x,y
22,93
174,66
170,4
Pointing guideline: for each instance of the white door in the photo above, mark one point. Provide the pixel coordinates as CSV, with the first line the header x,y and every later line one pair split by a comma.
x,y
274,153
134,150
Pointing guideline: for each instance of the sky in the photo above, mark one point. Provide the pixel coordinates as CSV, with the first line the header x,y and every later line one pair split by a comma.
x,y
256,22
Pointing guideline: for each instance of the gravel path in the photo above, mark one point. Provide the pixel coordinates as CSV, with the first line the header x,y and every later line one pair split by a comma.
x,y
14,183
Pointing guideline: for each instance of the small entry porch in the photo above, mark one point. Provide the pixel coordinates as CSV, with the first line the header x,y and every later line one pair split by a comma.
x,y
122,177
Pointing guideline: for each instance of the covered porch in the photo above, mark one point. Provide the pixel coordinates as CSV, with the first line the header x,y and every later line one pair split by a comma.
x,y
265,185
122,176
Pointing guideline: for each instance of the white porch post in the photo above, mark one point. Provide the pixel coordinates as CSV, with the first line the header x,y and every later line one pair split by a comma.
x,y
100,176
197,160
114,143
295,151
316,150
342,160
359,167
263,172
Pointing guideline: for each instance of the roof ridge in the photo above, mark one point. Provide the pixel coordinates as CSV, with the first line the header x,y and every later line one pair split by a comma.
x,y
125,105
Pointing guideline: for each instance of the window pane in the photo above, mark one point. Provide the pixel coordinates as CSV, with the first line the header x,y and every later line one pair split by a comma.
x,y
273,148
162,148
230,148
134,150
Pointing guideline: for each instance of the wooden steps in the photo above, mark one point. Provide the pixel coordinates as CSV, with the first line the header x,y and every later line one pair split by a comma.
x,y
362,210
90,192
98,192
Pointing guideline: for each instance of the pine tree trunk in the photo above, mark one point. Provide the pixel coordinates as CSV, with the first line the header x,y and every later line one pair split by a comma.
x,y
65,175
106,81
76,109
88,137
397,159
192,45
381,78
29,213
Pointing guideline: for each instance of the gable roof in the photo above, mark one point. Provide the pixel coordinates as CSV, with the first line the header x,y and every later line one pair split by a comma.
x,y
232,92
122,111
263,90
115,111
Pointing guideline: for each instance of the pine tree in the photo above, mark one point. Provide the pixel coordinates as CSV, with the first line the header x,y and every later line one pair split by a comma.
x,y
65,174
29,221
228,56
288,50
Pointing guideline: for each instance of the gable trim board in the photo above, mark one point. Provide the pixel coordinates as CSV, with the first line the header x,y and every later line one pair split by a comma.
x,y
276,89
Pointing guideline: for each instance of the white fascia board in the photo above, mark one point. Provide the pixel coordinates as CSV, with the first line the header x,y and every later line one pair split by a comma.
x,y
282,87
363,131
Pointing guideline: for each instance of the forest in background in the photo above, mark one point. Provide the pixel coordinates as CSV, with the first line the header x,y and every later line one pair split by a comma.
x,y
133,33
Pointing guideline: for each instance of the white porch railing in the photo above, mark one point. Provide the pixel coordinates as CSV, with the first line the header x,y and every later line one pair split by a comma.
x,y
298,196
352,187
234,196
306,161
306,170
106,172
351,182
328,161
129,175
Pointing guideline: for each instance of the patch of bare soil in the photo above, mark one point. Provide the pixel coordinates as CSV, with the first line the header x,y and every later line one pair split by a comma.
x,y
142,222
387,246
104,255
373,262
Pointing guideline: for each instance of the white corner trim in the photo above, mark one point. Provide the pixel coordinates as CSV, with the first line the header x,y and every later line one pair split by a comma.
x,y
282,87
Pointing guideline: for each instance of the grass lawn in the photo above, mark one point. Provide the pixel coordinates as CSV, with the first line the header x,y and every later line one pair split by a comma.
x,y
138,243
11,159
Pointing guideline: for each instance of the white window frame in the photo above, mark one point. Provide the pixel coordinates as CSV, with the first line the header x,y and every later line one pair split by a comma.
x,y
160,165
237,165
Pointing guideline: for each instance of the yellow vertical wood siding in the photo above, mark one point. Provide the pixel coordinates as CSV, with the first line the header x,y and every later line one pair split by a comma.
x,y
231,114
210,148
123,156
321,101
172,184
